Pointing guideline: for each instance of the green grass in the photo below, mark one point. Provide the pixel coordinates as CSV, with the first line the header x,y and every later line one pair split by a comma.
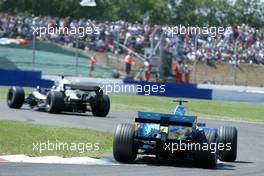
x,y
4,90
20,137
201,108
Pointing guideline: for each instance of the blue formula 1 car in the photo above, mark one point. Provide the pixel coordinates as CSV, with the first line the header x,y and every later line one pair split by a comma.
x,y
173,137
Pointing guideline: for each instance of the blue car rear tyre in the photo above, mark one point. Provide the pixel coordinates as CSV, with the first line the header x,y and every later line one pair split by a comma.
x,y
203,157
124,147
228,136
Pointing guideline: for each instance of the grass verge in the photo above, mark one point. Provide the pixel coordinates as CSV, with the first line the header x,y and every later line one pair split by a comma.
x,y
201,108
4,90
22,138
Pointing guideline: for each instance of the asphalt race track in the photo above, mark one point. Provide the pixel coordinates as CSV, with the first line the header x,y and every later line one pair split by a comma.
x,y
249,161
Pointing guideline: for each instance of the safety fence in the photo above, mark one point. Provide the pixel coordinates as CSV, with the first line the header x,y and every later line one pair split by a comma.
x,y
50,59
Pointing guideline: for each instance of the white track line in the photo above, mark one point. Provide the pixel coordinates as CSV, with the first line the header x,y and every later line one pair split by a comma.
x,y
57,160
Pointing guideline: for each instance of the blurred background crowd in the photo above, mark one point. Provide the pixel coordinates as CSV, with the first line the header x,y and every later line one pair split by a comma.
x,y
243,41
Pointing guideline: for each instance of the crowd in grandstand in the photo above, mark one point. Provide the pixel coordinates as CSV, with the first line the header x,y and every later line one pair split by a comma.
x,y
241,44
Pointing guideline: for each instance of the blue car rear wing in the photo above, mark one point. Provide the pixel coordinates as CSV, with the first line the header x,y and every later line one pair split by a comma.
x,y
166,119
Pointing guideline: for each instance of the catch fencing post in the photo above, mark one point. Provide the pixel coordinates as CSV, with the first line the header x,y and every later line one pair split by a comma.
x,y
76,55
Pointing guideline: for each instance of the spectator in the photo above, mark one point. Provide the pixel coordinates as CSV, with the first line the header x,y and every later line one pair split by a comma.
x,y
129,61
147,69
179,72
188,70
247,41
92,64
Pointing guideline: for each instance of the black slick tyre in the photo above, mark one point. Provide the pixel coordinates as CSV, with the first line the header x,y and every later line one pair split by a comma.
x,y
228,137
15,97
124,147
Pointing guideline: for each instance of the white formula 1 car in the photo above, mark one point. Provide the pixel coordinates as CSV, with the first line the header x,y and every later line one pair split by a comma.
x,y
63,96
